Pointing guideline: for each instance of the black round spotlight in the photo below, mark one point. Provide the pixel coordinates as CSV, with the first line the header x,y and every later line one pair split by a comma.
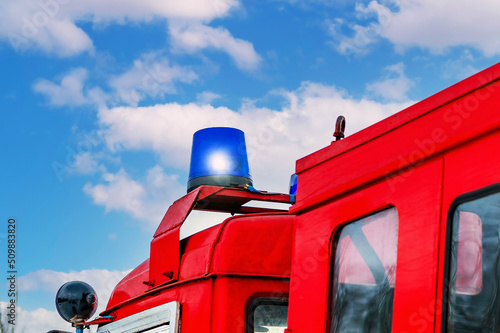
x,y
76,301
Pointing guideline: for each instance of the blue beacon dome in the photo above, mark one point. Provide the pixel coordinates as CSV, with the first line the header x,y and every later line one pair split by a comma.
x,y
219,158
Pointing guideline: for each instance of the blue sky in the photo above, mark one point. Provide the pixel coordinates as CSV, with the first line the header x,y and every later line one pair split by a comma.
x,y
100,99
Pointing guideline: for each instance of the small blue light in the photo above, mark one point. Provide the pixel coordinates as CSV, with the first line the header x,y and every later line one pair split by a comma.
x,y
219,157
293,184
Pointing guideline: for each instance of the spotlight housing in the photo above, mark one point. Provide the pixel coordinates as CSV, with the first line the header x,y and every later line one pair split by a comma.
x,y
76,301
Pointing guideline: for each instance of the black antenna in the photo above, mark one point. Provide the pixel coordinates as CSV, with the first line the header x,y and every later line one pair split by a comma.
x,y
339,128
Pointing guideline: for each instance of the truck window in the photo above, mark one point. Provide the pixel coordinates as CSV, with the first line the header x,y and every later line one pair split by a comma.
x,y
473,288
364,274
267,315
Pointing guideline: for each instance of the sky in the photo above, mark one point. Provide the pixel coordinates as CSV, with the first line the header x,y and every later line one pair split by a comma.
x,y
100,99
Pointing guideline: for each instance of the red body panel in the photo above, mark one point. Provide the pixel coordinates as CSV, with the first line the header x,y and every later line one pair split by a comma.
x,y
221,270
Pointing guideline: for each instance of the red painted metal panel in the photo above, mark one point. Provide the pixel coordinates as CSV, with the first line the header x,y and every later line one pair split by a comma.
x,y
177,213
469,168
233,295
244,247
131,286
165,247
255,245
196,304
196,253
240,195
195,260
417,201
419,205
164,260
215,198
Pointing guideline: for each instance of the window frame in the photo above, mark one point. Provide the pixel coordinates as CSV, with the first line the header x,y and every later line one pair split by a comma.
x,y
262,301
461,199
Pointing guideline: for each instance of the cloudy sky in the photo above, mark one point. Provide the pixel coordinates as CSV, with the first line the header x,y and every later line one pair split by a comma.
x,y
100,98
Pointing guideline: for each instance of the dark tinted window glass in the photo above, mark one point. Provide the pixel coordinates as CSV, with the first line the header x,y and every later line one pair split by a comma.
x,y
268,315
365,274
473,300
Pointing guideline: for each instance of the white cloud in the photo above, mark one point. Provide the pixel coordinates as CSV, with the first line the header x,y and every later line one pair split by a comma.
x,y
86,164
150,76
84,156
39,320
43,320
438,25
165,128
68,92
432,25
358,44
363,35
147,201
394,86
103,281
192,37
120,193
207,97
460,67
52,25
60,37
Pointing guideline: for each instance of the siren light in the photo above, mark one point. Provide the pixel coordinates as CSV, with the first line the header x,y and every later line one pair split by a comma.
x,y
294,178
219,158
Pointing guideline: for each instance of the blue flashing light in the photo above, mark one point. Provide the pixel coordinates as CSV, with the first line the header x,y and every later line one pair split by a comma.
x,y
219,157
293,184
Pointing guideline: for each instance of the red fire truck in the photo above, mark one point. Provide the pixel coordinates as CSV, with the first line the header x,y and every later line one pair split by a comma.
x,y
393,229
